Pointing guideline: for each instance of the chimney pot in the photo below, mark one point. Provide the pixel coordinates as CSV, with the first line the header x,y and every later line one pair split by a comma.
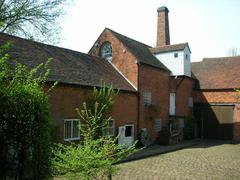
x,y
163,8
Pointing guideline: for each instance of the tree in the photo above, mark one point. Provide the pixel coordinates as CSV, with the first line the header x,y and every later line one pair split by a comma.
x,y
96,112
24,120
95,157
32,19
233,52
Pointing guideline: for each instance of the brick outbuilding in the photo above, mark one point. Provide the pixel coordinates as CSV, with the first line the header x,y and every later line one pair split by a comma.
x,y
216,99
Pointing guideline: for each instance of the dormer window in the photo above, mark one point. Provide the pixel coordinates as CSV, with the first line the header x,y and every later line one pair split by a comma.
x,y
106,51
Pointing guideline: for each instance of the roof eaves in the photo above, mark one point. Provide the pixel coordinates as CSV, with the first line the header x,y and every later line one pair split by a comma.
x,y
133,86
96,42
161,68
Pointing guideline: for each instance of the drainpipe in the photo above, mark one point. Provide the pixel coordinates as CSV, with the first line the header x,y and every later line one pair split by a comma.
x,y
138,105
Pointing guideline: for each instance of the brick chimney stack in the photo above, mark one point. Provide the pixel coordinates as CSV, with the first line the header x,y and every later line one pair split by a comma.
x,y
163,36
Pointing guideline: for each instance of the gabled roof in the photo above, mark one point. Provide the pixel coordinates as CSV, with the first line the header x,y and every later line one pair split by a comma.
x,y
169,48
140,51
67,66
218,73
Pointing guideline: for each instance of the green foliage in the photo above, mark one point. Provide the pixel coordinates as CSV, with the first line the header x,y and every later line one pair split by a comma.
x,y
93,159
33,19
95,113
238,93
24,120
189,127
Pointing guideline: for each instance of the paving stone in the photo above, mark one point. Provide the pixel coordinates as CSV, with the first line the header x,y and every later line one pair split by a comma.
x,y
204,161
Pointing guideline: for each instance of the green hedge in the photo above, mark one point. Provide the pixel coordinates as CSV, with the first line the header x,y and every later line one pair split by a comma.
x,y
24,122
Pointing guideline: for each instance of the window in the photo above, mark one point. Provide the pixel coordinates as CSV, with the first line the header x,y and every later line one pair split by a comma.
x,y
172,104
109,131
175,55
190,102
147,98
128,130
106,51
186,56
158,125
71,129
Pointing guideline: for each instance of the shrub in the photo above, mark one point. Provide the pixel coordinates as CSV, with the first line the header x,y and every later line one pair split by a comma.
x,y
95,157
24,120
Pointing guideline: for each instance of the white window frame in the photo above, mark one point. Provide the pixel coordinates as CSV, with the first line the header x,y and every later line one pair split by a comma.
x,y
172,104
106,131
106,51
147,98
71,138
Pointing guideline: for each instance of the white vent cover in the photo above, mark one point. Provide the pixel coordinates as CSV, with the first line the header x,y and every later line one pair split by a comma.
x,y
158,125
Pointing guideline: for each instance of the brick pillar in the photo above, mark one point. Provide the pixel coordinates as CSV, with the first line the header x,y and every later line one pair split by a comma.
x,y
236,125
163,36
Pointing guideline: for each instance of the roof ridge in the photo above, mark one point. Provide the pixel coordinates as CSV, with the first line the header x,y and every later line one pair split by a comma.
x,y
128,37
68,66
138,48
223,57
171,45
169,48
43,44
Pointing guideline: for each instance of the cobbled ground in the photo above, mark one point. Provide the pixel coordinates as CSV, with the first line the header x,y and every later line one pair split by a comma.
x,y
204,161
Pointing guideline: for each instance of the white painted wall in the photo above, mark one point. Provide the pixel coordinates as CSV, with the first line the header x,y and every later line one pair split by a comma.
x,y
178,66
187,62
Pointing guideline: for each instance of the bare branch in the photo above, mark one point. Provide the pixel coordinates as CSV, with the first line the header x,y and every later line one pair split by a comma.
x,y
30,18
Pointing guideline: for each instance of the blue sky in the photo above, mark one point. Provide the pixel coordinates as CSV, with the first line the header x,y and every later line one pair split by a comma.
x,y
211,27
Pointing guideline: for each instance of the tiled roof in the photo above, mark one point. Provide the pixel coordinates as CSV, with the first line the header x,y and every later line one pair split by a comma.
x,y
169,48
140,51
67,66
218,73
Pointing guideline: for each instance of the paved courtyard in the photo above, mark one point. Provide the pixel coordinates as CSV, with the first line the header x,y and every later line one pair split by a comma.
x,y
208,160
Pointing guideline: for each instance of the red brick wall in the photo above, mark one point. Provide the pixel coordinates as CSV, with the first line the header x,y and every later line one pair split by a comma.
x,y
163,36
121,57
157,82
125,110
215,96
64,99
183,87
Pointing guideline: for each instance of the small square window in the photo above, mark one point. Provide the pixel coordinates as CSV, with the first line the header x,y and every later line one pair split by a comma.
x,y
175,55
147,98
71,129
128,131
109,131
190,102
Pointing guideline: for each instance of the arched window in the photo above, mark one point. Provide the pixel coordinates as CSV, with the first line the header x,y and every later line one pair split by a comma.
x,y
106,51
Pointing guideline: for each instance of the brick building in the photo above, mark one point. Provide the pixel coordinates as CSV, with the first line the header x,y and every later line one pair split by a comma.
x,y
217,105
156,84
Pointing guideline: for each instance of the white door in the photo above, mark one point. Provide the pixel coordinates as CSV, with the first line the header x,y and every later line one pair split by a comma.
x,y
126,135
172,104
